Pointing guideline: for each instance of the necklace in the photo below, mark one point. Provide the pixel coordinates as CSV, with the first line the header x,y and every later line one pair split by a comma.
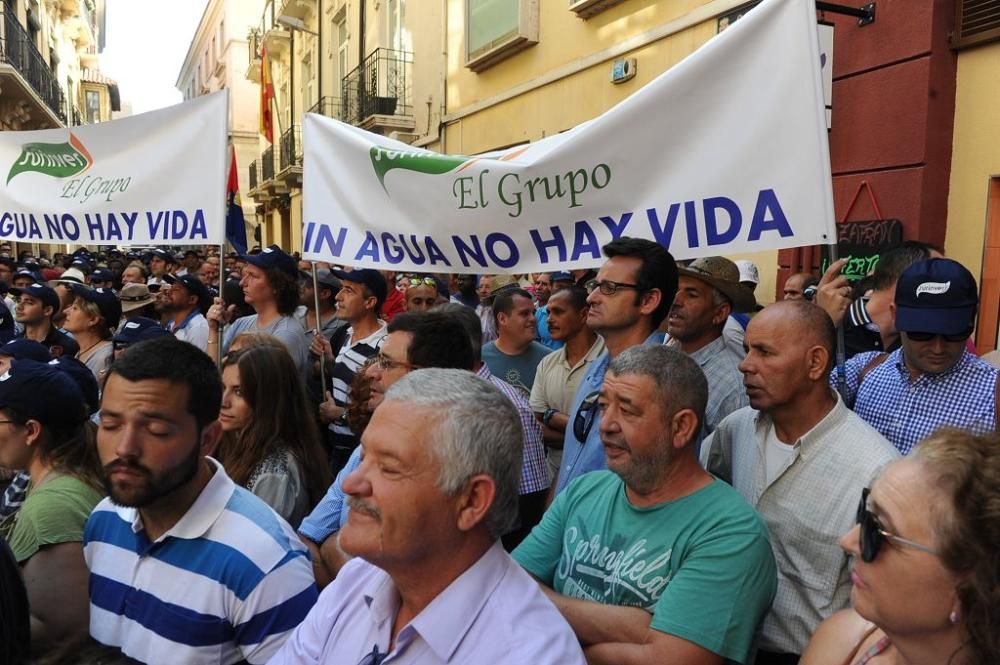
x,y
86,352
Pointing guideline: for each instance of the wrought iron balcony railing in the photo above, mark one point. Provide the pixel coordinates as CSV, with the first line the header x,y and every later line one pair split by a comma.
x,y
291,147
253,174
17,49
381,85
328,106
267,164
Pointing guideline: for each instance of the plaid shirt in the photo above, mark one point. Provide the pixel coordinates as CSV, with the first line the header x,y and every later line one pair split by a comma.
x,y
906,411
534,470
725,381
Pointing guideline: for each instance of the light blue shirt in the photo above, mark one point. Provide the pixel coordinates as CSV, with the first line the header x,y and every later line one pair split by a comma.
x,y
542,328
580,457
330,514
494,613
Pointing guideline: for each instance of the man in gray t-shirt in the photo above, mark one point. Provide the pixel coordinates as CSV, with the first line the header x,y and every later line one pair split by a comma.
x,y
515,354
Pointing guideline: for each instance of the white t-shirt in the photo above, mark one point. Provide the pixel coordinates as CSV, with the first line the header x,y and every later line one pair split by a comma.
x,y
777,455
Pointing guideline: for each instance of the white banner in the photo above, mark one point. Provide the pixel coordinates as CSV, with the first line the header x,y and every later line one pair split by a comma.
x,y
158,178
725,152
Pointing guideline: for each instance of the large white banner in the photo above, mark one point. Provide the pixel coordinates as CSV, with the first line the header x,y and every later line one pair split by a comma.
x,y
725,152
158,178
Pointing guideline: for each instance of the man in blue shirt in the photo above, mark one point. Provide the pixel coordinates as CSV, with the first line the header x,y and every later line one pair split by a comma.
x,y
629,298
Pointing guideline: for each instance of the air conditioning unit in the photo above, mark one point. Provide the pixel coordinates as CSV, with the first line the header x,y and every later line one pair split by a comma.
x,y
587,8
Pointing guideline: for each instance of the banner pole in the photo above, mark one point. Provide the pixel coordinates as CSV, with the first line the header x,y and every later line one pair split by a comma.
x,y
222,281
841,344
319,326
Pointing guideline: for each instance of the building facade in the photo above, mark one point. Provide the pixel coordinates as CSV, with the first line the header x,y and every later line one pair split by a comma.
x,y
216,60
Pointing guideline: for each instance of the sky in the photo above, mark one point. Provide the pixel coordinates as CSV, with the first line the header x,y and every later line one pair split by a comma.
x,y
145,48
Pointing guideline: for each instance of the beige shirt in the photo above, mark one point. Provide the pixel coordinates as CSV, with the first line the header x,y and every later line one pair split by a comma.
x,y
556,382
808,505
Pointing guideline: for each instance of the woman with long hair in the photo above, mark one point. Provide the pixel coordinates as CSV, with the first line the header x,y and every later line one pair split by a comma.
x,y
44,430
271,444
926,562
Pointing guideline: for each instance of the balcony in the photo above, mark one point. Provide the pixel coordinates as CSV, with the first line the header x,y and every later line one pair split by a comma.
x,y
290,167
266,174
298,9
275,37
377,94
329,107
32,98
253,176
267,165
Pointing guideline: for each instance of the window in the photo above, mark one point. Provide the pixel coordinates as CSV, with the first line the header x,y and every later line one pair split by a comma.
x,y
497,29
587,8
976,22
308,84
93,100
342,41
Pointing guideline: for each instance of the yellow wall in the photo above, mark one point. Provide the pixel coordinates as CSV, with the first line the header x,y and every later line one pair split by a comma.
x,y
975,154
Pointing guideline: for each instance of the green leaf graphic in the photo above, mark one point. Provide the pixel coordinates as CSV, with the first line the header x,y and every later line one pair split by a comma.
x,y
430,163
59,160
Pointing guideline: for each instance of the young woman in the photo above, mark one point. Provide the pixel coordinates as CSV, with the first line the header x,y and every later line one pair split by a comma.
x,y
271,444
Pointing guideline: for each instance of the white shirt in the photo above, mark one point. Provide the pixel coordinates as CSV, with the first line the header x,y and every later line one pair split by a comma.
x,y
194,331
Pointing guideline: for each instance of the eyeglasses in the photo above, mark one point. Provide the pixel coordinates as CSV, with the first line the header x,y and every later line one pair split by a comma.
x,y
374,658
585,416
872,533
421,281
384,362
608,287
926,336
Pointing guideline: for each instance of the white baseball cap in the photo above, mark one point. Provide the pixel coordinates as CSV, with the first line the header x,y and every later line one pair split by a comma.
x,y
748,272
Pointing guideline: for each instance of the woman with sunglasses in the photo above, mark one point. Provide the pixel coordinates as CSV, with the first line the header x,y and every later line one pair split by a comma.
x,y
926,562
271,444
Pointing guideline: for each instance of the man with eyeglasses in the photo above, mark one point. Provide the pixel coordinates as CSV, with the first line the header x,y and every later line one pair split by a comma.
x,y
629,298
654,561
932,380
800,457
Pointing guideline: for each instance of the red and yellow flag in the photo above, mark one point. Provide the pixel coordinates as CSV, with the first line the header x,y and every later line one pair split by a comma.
x,y
266,96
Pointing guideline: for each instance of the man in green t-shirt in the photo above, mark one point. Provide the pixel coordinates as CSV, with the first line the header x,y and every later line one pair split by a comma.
x,y
655,560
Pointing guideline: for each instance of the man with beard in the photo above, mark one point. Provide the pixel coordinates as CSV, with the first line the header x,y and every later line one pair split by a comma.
x,y
184,565
654,560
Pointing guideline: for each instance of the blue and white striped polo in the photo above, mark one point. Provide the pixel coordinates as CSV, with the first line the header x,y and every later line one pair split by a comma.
x,y
227,584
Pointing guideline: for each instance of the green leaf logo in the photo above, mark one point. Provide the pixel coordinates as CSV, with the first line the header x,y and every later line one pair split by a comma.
x,y
59,160
430,163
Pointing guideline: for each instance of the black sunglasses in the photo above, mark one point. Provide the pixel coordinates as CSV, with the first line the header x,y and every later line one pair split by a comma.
x,y
926,336
872,535
585,416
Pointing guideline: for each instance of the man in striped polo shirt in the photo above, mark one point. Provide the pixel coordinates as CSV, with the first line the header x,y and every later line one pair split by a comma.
x,y
185,567
359,302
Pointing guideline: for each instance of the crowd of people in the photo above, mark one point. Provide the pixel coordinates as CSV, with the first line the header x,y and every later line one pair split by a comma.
x,y
229,459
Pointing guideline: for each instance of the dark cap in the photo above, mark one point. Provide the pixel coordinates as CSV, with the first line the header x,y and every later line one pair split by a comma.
x,y
24,272
138,329
561,276
373,279
164,254
323,276
274,258
42,392
105,299
101,275
42,292
84,379
195,287
936,296
20,349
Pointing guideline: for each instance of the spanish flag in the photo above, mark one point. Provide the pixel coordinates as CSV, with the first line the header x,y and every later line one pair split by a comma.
x,y
266,96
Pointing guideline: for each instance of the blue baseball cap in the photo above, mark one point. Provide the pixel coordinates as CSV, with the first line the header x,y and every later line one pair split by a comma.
x,y
105,299
42,392
273,257
164,254
41,292
369,277
561,276
138,329
936,296
101,275
84,379
20,349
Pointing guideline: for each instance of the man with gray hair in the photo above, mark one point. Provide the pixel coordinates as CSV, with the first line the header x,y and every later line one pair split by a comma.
x,y
431,582
654,560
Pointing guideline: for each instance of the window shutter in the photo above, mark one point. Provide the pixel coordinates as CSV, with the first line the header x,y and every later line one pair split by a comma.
x,y
976,22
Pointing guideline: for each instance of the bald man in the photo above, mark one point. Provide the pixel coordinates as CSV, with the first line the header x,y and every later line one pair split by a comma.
x,y
801,458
